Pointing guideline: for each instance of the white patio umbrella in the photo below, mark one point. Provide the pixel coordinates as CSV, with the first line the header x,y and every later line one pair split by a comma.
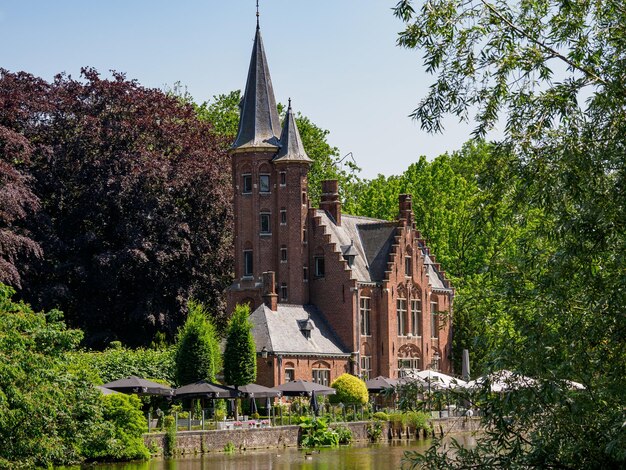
x,y
439,379
502,381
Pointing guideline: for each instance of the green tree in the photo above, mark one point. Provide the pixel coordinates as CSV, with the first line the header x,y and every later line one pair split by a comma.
x,y
552,72
240,352
197,355
350,389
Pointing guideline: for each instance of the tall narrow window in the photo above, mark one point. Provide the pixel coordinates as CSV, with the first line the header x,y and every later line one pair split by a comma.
x,y
283,254
247,183
265,222
366,367
416,315
408,266
247,262
283,216
365,316
283,178
401,311
283,292
434,326
320,269
305,273
264,183
303,198
304,240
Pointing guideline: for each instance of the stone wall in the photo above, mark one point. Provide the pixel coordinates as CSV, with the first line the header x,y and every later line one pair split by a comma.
x,y
190,442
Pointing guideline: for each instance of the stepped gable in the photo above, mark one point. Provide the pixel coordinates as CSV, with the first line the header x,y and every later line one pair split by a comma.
x,y
281,331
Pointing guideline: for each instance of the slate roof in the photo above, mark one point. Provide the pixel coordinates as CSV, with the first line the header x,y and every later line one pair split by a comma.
x,y
372,241
259,125
291,148
280,331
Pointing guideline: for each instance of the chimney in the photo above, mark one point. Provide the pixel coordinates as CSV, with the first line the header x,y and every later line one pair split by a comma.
x,y
406,208
270,299
330,199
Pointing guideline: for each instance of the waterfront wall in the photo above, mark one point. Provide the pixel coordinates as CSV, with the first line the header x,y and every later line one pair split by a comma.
x,y
193,442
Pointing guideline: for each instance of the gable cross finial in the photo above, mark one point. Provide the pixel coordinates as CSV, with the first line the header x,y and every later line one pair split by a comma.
x,y
257,13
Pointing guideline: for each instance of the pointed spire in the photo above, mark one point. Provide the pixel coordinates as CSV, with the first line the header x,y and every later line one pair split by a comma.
x,y
258,124
291,148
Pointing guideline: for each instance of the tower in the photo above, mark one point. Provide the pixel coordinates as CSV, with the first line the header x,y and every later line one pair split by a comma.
x,y
269,168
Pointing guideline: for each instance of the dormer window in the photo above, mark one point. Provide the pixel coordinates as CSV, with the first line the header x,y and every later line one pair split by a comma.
x,y
349,253
306,326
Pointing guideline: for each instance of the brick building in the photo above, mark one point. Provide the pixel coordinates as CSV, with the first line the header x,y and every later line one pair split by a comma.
x,y
329,292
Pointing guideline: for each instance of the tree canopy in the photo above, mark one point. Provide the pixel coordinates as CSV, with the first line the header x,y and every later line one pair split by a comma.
x,y
197,354
552,72
127,195
240,352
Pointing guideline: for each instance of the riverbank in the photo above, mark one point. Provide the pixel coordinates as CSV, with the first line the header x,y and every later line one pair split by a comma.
x,y
199,442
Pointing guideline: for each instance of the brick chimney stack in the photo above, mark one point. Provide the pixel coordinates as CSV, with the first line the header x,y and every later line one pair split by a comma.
x,y
270,299
406,208
330,199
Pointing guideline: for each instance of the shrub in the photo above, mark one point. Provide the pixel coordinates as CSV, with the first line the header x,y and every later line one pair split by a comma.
x,y
350,389
170,436
418,420
229,447
240,352
197,355
315,433
381,416
129,424
220,415
374,431
344,434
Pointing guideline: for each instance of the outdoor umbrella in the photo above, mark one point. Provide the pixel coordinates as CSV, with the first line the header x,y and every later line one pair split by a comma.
x,y
439,380
106,391
204,389
258,391
253,408
503,381
134,384
379,384
314,404
302,388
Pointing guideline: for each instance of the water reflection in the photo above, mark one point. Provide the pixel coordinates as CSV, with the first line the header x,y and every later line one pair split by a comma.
x,y
357,456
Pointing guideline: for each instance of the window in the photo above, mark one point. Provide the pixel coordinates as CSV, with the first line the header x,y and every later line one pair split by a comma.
x,y
303,198
290,375
319,266
434,326
247,262
407,266
265,222
364,308
283,292
283,178
416,314
321,376
406,364
247,183
366,367
264,183
283,254
304,235
401,311
283,216
305,273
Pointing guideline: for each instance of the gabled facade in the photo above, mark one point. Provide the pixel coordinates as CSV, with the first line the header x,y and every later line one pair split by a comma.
x,y
329,293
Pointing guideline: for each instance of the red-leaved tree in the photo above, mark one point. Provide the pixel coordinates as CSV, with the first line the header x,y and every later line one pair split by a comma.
x,y
134,195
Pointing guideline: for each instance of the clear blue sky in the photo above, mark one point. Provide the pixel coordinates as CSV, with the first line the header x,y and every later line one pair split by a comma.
x,y
336,59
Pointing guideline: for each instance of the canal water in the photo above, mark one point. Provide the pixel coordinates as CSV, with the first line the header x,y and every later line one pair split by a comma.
x,y
357,457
